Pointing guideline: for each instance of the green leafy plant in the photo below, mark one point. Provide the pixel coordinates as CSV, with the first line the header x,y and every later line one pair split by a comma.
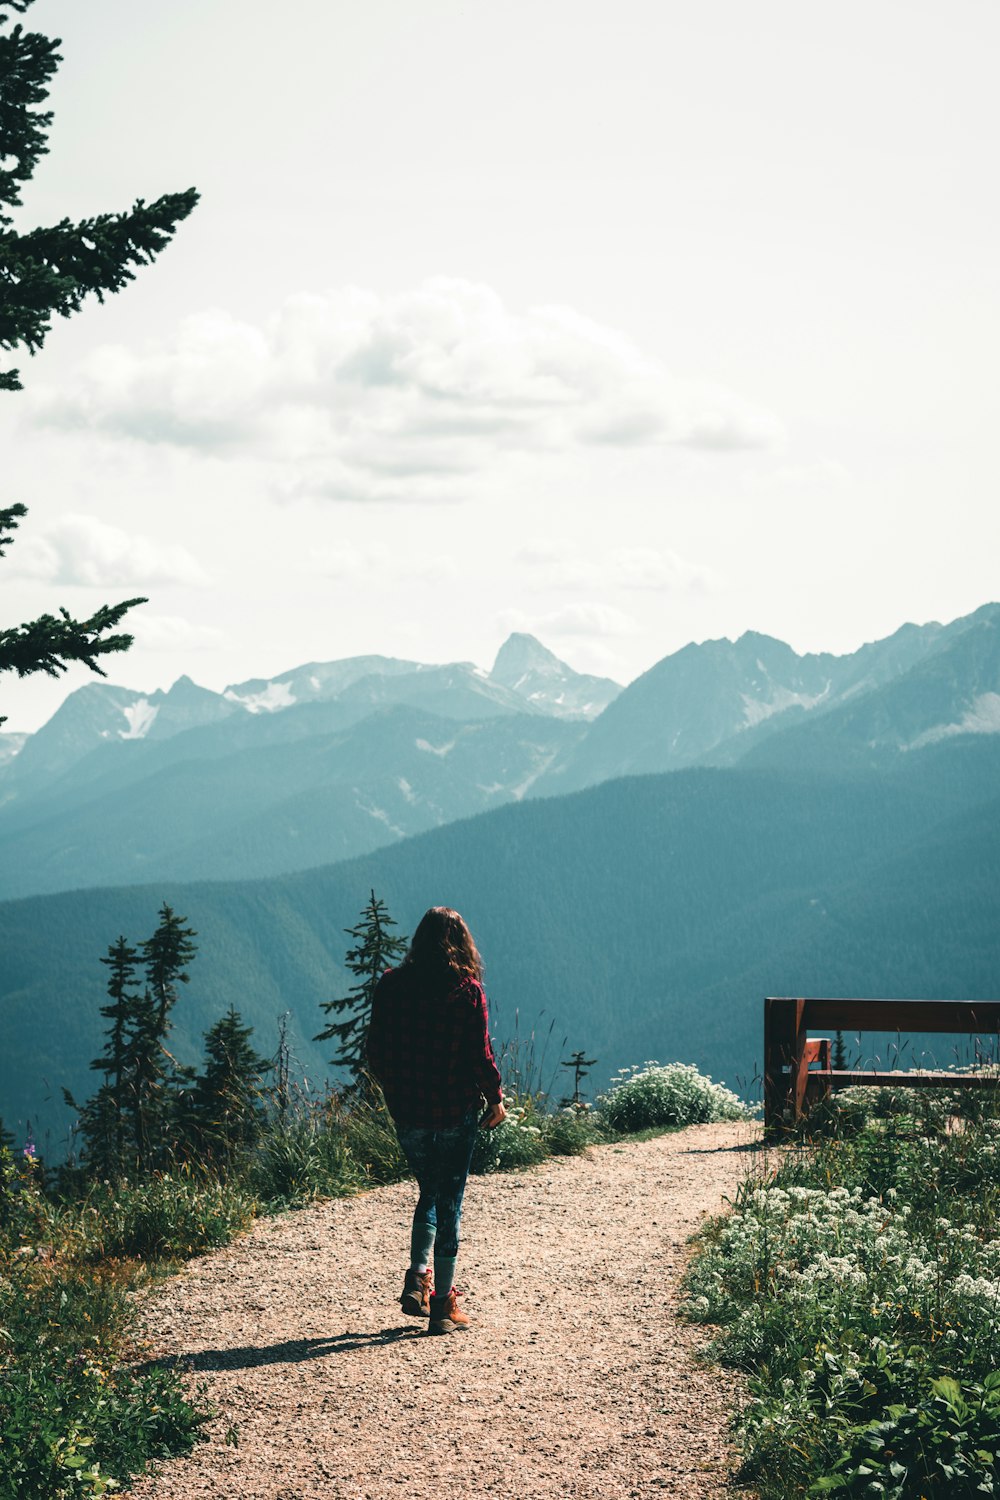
x,y
168,1217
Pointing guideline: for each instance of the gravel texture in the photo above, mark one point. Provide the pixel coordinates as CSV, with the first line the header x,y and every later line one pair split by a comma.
x,y
575,1379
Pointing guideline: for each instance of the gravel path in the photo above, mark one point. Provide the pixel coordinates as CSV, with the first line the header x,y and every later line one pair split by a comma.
x,y
575,1380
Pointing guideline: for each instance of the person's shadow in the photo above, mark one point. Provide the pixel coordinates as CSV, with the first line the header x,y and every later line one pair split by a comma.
x,y
291,1352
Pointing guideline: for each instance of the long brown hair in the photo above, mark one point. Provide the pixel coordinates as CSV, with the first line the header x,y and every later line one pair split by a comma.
x,y
443,946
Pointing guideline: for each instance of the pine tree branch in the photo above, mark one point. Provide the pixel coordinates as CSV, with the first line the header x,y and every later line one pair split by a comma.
x,y
9,521
27,63
51,642
51,271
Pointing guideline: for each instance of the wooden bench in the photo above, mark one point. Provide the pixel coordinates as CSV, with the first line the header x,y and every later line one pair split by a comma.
x,y
798,1069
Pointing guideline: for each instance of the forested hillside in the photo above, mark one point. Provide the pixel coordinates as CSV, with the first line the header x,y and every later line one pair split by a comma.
x,y
643,918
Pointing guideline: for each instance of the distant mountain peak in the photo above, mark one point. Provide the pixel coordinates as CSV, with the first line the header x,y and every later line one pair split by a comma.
x,y
186,687
521,653
536,674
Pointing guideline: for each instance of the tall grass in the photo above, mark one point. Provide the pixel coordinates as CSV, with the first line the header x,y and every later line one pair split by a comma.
x,y
857,1284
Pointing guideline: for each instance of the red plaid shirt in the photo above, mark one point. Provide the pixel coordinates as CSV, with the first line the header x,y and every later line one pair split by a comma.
x,y
430,1049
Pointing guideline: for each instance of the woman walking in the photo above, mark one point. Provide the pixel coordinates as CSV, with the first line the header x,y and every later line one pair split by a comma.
x,y
429,1048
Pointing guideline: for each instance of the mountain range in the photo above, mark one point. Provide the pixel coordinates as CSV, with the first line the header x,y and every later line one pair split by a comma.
x,y
335,759
320,763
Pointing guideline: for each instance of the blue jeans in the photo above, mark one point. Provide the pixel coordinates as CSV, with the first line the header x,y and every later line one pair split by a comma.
x,y
439,1160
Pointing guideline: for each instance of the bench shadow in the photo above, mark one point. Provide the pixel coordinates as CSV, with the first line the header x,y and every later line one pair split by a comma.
x,y
745,1148
290,1352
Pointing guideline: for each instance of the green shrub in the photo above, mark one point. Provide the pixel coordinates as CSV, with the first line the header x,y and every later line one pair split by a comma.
x,y
515,1143
674,1094
570,1132
169,1217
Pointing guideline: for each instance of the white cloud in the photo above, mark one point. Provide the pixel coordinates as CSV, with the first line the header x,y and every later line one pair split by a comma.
x,y
551,566
171,633
644,568
345,561
573,619
78,549
352,396
824,481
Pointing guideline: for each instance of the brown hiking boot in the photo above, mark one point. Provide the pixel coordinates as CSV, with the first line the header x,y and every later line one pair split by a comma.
x,y
446,1315
416,1298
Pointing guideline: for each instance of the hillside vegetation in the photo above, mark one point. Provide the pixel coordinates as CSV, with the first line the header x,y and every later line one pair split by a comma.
x,y
645,917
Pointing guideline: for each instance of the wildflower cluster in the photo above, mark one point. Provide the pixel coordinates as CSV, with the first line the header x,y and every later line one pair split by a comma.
x,y
516,1142
860,1288
672,1094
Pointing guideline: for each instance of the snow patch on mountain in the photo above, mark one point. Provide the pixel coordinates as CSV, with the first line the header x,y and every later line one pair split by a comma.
x,y
275,696
981,717
11,744
379,814
407,791
139,716
544,761
756,710
430,749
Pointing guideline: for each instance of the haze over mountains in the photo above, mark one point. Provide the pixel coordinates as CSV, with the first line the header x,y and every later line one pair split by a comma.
x,y
320,763
335,759
801,824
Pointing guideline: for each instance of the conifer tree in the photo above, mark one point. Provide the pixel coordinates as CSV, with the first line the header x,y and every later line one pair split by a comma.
x,y
158,1086
102,1119
50,271
374,949
138,1118
144,1099
101,1126
165,955
839,1052
227,1104
121,961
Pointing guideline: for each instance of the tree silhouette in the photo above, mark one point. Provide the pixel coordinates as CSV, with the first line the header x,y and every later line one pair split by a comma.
x,y
373,951
50,271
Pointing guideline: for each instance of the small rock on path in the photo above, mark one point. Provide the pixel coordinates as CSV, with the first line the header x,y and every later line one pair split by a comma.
x,y
576,1381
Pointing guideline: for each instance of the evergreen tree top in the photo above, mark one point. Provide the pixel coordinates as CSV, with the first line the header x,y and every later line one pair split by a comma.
x,y
51,270
374,949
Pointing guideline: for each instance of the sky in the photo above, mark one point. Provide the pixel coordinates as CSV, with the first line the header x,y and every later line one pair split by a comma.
x,y
623,324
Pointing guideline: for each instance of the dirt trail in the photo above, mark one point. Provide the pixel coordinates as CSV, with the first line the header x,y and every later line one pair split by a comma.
x,y
575,1381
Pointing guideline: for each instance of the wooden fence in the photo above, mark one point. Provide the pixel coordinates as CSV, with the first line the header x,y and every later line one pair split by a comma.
x,y
798,1069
